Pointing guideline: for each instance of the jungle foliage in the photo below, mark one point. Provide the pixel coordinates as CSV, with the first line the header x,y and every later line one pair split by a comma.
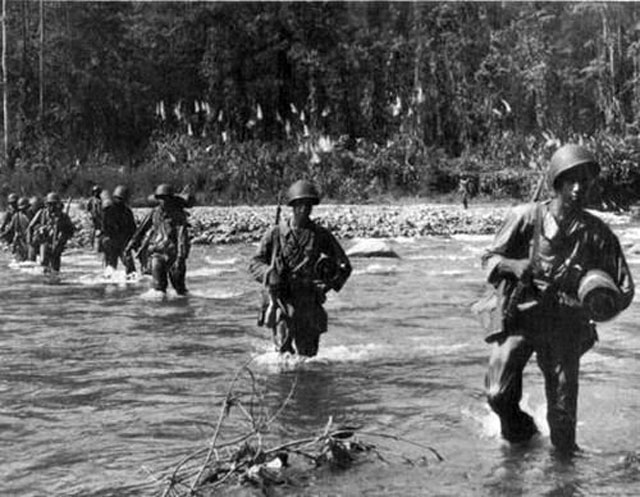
x,y
368,98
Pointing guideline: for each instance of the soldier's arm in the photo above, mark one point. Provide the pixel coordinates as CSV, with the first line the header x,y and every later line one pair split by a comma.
x,y
508,255
616,265
261,261
342,262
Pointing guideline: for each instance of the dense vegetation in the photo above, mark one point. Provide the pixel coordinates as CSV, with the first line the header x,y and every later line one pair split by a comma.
x,y
370,98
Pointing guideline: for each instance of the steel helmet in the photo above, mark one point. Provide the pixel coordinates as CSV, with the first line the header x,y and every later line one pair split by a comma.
x,y
96,190
12,198
35,202
52,198
164,190
569,157
121,192
303,190
23,203
599,295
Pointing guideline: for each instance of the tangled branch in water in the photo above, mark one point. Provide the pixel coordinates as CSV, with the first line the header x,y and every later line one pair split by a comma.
x,y
247,459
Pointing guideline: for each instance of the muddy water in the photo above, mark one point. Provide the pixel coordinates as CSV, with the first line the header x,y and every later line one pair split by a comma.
x,y
102,385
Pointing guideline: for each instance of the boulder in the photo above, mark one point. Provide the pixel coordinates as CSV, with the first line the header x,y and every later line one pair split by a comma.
x,y
371,247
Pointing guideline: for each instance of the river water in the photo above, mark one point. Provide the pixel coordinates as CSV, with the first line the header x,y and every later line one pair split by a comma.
x,y
103,386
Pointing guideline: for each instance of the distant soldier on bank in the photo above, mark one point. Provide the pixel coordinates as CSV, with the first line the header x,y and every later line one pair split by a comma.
x,y
50,229
16,232
164,236
12,208
465,190
298,262
118,226
94,207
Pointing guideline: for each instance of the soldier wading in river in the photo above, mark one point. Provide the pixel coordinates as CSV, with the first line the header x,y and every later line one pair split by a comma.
x,y
94,207
12,208
50,229
16,232
557,270
298,261
164,236
118,226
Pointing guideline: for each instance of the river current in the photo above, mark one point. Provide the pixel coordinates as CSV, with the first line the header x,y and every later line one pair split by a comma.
x,y
103,386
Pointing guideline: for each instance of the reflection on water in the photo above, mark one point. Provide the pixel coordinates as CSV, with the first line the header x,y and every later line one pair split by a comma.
x,y
103,384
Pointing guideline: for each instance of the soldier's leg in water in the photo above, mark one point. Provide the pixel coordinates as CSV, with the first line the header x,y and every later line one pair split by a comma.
x,y
44,254
283,331
110,257
33,252
177,275
55,260
503,384
311,323
128,262
560,365
159,272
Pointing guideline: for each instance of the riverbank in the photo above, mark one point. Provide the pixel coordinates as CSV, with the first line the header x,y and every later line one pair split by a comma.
x,y
246,224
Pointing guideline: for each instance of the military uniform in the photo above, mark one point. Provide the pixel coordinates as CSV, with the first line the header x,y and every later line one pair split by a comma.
x,y
299,255
551,320
50,229
118,226
94,207
164,236
33,249
16,232
12,208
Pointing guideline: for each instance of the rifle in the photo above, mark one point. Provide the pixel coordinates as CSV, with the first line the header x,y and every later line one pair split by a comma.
x,y
516,301
267,316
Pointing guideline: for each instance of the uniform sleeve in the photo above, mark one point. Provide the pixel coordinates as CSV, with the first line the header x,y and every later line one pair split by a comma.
x,y
342,262
511,242
184,239
261,261
615,264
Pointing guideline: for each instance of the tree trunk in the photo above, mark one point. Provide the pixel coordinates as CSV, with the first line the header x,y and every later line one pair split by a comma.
x,y
5,90
41,69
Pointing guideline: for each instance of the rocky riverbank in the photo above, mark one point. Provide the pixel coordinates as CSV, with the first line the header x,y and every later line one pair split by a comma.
x,y
246,224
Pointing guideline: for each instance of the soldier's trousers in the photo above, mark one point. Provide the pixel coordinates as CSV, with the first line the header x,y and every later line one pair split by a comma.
x,y
164,269
49,258
111,256
299,330
558,356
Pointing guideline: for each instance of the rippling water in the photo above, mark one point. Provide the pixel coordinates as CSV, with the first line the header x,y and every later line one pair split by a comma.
x,y
102,385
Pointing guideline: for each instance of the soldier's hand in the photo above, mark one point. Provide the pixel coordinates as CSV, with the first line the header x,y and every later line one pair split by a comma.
x,y
274,280
519,268
322,287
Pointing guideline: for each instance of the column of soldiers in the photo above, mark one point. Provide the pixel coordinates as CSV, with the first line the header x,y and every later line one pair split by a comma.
x,y
298,261
37,231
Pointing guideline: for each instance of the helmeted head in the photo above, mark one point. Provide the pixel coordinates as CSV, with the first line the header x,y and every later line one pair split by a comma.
x,y
53,200
164,191
95,191
568,158
23,203
105,199
303,191
35,203
121,193
12,199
